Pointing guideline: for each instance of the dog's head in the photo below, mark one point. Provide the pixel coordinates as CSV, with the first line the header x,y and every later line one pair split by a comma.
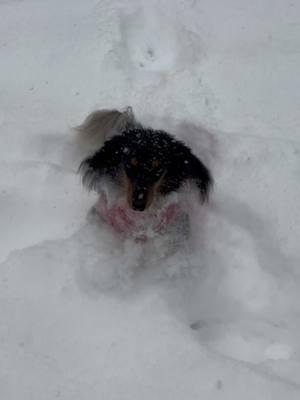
x,y
147,163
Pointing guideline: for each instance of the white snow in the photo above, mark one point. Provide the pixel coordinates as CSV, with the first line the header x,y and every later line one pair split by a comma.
x,y
84,316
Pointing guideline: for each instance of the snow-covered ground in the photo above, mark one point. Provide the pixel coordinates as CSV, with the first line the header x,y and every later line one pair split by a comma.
x,y
83,316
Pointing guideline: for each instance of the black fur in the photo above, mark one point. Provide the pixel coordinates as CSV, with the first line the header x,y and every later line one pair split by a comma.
x,y
148,158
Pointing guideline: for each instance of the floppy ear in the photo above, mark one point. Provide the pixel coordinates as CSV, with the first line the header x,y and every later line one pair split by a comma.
x,y
200,174
105,161
185,165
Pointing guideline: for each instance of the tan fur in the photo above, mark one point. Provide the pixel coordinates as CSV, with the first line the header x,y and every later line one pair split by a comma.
x,y
155,191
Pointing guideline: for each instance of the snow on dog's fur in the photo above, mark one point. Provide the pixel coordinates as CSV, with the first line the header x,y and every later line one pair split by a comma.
x,y
146,166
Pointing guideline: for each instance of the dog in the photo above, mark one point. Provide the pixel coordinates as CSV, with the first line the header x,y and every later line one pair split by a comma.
x,y
146,165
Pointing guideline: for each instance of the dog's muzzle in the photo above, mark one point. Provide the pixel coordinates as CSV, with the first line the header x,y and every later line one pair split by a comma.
x,y
140,198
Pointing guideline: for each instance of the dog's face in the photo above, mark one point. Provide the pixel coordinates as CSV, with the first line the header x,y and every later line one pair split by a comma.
x,y
147,164
144,174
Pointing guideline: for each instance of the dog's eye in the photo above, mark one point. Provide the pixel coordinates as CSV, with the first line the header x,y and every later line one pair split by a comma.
x,y
156,163
134,162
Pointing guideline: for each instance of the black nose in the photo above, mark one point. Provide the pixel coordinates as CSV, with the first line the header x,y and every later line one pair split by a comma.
x,y
139,201
138,207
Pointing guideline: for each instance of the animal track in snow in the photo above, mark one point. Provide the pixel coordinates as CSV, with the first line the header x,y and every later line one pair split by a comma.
x,y
154,42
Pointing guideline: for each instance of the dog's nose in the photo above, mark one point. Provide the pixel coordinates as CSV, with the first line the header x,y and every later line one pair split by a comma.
x,y
138,207
139,202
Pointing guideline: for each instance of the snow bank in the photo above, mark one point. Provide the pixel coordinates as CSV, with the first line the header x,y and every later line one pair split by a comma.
x,y
86,316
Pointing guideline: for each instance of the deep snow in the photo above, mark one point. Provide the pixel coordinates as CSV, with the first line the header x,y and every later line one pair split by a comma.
x,y
84,316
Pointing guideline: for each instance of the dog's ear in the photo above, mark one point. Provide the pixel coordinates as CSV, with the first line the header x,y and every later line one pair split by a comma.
x,y
105,161
200,174
184,165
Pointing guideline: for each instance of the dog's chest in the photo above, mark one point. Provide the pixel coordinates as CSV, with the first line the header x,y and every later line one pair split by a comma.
x,y
138,225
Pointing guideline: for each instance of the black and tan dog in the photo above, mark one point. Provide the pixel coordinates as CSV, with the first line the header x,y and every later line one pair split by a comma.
x,y
143,162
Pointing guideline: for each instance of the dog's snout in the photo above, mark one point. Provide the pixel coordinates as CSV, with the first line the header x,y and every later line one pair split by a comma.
x,y
139,201
138,207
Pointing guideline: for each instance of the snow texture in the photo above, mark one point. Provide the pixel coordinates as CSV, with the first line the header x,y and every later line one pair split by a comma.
x,y
85,316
